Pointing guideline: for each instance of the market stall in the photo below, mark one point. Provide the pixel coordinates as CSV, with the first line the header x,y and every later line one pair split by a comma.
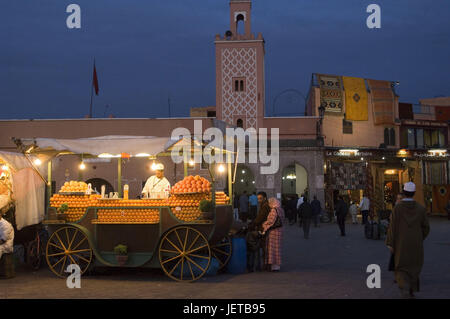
x,y
178,232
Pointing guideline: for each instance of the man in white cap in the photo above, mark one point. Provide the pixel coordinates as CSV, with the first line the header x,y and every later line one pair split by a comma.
x,y
156,183
407,230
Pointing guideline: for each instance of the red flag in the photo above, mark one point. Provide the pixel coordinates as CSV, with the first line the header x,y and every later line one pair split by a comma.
x,y
95,81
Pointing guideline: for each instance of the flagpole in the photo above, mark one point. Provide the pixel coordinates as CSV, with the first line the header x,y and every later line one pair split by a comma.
x,y
92,94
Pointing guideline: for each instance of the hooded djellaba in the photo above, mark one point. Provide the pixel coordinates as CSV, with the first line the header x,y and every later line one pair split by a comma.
x,y
408,229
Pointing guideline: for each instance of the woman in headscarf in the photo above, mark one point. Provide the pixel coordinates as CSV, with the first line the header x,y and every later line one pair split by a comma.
x,y
273,229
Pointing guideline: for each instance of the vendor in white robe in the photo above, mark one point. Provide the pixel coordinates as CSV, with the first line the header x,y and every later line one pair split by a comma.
x,y
6,237
156,183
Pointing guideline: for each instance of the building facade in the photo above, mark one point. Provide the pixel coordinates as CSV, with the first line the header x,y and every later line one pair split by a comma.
x,y
373,144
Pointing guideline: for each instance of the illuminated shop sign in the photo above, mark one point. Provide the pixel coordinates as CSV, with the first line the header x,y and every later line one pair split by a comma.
x,y
432,153
403,153
349,153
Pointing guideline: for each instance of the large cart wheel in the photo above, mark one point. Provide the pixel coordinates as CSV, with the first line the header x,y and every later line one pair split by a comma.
x,y
68,245
222,251
184,254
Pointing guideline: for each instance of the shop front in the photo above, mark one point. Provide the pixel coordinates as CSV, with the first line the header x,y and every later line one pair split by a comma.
x,y
351,173
430,170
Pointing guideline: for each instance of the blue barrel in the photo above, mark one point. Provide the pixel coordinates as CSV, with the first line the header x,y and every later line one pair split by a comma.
x,y
213,267
238,260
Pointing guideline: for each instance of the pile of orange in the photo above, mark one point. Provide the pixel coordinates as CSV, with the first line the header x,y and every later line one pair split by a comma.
x,y
73,201
185,199
74,187
187,214
77,204
185,207
129,216
192,184
222,198
132,202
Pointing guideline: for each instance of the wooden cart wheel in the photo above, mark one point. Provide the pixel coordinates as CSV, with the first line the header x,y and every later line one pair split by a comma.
x,y
68,245
184,254
222,251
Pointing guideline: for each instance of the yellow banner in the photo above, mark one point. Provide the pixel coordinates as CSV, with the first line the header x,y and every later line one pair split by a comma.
x,y
356,101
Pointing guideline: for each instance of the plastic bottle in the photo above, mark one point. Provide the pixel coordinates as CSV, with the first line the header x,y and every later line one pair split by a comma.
x,y
125,191
89,189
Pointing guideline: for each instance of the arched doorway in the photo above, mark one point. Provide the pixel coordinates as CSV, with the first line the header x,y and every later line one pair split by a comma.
x,y
245,180
294,180
97,185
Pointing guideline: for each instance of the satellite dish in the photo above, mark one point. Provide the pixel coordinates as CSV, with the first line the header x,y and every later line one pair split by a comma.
x,y
228,34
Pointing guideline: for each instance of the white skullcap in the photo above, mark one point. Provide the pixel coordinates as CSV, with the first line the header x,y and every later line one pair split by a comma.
x,y
159,167
409,187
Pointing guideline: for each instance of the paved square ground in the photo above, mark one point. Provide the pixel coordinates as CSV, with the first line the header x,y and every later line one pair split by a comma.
x,y
325,266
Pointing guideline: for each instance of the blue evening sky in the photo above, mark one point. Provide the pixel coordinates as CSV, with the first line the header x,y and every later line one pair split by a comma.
x,y
148,50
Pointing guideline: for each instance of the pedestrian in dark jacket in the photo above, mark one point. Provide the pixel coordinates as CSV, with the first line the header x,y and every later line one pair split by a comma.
x,y
306,214
292,209
257,226
341,213
236,206
317,209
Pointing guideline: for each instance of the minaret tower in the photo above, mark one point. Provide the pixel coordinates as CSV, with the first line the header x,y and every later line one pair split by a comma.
x,y
240,89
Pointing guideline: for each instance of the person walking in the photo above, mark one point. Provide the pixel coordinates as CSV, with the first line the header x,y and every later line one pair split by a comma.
x,y
256,226
236,206
291,209
408,229
341,214
364,207
353,210
398,200
273,229
243,207
306,213
299,202
253,200
316,210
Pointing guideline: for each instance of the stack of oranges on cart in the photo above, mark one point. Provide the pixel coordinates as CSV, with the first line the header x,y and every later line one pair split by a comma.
x,y
127,216
77,204
135,202
222,198
192,184
187,213
74,187
185,206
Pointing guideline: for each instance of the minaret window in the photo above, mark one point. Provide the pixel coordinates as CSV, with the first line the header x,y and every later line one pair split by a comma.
x,y
239,84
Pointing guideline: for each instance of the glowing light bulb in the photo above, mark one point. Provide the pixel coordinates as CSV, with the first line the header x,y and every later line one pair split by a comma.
x,y
221,168
37,162
82,166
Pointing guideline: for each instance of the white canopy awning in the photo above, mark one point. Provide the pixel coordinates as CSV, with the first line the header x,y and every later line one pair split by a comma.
x,y
112,145
28,189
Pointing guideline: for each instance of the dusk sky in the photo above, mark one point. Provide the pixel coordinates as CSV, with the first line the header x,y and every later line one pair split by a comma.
x,y
148,50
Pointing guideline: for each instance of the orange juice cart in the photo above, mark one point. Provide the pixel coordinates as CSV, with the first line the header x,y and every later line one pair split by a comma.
x,y
168,233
